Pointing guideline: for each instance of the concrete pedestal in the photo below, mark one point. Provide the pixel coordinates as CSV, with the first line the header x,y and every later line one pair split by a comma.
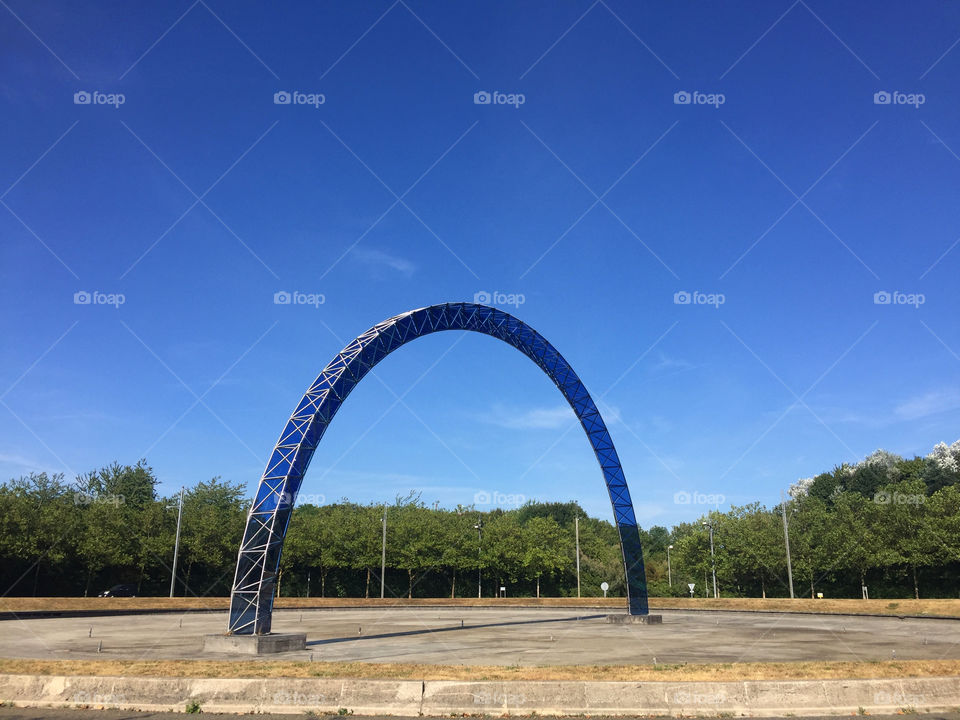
x,y
635,619
255,644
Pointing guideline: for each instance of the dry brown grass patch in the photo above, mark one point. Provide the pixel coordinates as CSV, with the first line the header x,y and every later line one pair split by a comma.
x,y
949,607
625,673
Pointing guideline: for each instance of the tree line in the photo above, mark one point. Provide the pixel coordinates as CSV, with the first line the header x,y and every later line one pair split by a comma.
x,y
110,526
889,523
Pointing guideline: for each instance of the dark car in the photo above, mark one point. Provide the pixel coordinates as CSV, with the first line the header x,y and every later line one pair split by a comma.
x,y
120,591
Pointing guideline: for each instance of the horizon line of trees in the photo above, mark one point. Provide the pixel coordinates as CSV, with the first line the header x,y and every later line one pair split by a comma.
x,y
889,523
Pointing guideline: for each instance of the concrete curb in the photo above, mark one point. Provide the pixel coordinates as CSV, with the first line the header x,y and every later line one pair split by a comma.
x,y
436,698
799,697
240,695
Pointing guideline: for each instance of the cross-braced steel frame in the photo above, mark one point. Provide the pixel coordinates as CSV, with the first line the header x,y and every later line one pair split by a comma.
x,y
251,602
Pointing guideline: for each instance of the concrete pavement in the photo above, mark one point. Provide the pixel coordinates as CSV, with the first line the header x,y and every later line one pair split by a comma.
x,y
515,636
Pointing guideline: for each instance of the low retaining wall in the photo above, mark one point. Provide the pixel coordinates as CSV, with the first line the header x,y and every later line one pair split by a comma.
x,y
436,698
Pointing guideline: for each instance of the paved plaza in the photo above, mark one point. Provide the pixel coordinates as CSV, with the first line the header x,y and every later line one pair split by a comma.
x,y
510,636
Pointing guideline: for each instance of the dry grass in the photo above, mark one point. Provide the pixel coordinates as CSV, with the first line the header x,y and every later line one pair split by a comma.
x,y
626,673
880,607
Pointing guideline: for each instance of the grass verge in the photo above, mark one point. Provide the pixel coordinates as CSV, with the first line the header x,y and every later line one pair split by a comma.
x,y
932,608
403,671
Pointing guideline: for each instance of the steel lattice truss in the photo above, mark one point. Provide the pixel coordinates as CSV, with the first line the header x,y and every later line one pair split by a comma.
x,y
251,602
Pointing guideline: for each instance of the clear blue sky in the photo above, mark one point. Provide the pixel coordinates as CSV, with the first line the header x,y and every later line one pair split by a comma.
x,y
597,199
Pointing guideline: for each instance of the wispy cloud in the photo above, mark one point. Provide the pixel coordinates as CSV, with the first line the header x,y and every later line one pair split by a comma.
x,y
647,512
379,259
932,403
665,362
551,418
24,463
545,418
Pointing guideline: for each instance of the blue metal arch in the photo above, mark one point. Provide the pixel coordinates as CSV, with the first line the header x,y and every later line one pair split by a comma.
x,y
251,601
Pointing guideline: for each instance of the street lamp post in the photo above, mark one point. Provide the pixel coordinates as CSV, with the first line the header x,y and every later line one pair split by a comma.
x,y
383,553
479,528
786,540
176,544
669,570
576,520
713,561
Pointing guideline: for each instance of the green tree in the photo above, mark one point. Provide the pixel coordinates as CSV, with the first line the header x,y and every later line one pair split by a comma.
x,y
808,522
503,551
214,514
547,549
854,543
458,544
753,546
904,527
414,545
42,524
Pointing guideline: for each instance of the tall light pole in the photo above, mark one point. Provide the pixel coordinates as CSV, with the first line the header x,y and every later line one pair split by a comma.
x,y
576,525
383,552
176,543
786,541
479,528
669,571
713,560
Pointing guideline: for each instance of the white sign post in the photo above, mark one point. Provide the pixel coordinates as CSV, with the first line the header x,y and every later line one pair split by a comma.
x,y
604,586
691,586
